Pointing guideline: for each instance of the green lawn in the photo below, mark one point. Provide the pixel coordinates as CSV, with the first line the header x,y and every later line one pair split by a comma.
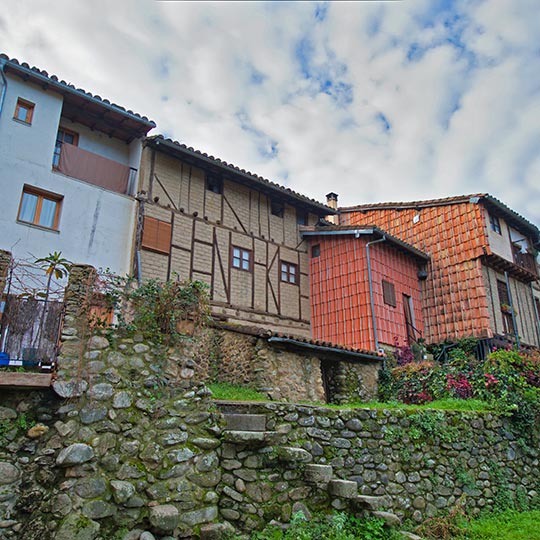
x,y
233,392
506,526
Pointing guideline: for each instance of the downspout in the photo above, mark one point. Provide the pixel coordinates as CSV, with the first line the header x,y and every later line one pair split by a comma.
x,y
536,314
514,322
138,237
4,86
370,280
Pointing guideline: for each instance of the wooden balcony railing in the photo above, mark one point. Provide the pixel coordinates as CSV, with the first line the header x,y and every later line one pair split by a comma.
x,y
94,169
525,260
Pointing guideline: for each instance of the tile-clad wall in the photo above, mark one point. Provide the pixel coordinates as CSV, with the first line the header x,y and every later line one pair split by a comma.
x,y
400,269
453,296
206,225
341,311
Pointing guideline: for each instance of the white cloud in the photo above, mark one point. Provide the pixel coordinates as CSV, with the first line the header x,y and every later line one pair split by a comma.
x,y
376,101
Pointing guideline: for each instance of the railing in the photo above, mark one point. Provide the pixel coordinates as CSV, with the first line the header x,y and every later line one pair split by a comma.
x,y
94,169
525,260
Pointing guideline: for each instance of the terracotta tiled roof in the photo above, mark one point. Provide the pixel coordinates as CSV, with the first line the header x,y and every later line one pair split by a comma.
x,y
365,229
299,340
137,123
491,202
239,174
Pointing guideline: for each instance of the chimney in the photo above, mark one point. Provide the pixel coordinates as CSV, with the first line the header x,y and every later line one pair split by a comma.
x,y
331,201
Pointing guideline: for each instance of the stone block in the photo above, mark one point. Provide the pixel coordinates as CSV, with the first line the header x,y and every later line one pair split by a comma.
x,y
343,488
288,453
164,517
318,474
245,422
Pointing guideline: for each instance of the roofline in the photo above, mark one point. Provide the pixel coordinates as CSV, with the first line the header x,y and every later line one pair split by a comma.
x,y
330,350
365,231
63,86
474,199
156,141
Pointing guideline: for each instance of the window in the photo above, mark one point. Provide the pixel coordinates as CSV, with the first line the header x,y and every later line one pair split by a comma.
x,y
214,183
302,218
277,208
506,309
289,272
495,223
315,251
40,207
241,258
389,293
64,136
24,110
156,235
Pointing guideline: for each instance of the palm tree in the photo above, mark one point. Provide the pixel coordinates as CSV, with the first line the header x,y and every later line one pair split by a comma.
x,y
55,266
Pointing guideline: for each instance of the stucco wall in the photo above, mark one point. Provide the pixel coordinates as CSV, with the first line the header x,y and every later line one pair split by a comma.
x,y
96,225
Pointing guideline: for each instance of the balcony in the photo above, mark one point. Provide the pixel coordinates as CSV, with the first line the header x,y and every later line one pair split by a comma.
x,y
100,171
525,260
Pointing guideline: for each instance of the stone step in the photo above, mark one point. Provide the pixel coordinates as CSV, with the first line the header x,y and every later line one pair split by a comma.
x,y
346,489
244,422
371,502
289,453
390,519
251,438
318,474
410,536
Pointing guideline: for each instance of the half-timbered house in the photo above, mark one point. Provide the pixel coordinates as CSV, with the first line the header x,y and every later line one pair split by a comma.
x,y
202,218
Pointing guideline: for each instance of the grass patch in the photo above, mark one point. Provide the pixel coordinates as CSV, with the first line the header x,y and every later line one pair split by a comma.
x,y
439,404
508,525
234,392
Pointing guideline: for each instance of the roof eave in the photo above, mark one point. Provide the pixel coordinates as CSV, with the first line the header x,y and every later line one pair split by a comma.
x,y
316,208
63,88
357,231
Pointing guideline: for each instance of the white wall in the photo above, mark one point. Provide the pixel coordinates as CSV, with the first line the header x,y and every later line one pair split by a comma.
x,y
499,243
96,225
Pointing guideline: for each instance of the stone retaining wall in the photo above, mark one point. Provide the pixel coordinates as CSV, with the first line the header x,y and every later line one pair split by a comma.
x,y
421,464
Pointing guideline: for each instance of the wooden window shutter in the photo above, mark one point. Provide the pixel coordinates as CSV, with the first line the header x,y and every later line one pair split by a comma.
x,y
389,293
156,235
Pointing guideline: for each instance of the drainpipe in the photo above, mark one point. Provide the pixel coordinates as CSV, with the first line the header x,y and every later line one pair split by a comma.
x,y
4,86
514,322
536,314
370,280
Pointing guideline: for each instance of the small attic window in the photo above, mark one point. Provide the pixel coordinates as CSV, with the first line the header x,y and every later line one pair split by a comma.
x,y
277,208
214,183
24,111
315,251
495,223
302,218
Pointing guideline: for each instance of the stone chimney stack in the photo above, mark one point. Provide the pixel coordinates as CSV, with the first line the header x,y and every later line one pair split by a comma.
x,y
331,201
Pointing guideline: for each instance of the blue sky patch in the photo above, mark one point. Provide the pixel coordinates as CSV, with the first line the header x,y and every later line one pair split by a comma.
x,y
321,11
384,122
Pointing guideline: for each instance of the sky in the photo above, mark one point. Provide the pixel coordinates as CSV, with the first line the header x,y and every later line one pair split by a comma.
x,y
376,101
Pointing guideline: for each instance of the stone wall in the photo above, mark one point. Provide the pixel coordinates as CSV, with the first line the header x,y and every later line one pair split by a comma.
x,y
5,261
413,464
130,447
285,373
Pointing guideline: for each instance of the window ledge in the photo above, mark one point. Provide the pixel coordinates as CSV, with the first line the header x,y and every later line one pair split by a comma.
x,y
40,227
22,122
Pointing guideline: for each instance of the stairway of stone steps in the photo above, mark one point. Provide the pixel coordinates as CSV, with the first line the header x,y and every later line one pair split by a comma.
x,y
250,430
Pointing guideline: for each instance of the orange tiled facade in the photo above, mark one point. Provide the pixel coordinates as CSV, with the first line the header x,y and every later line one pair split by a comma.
x,y
473,242
340,295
